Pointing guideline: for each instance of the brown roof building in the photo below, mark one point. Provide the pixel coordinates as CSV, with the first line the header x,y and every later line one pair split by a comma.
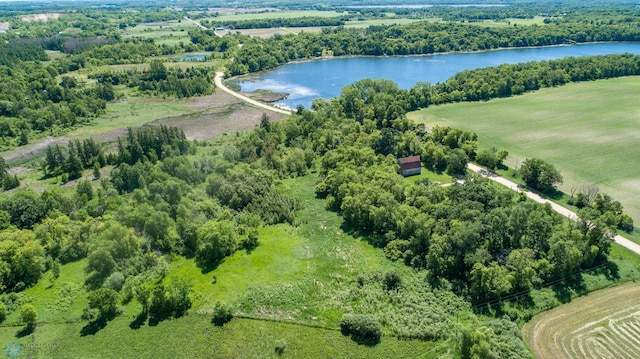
x,y
410,166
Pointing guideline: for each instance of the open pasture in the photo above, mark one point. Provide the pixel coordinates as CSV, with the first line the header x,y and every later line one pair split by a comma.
x,y
193,336
378,22
169,33
536,20
602,324
275,15
588,131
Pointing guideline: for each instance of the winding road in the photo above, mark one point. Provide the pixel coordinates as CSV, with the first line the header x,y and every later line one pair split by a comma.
x,y
221,86
632,246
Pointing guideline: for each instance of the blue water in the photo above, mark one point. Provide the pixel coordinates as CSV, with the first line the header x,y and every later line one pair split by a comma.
x,y
306,81
193,57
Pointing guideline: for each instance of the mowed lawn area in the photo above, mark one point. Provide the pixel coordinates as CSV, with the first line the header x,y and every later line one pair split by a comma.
x,y
589,131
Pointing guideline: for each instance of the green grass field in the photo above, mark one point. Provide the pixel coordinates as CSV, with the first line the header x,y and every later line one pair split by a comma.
x,y
537,20
194,336
587,130
275,15
131,112
297,275
377,22
170,33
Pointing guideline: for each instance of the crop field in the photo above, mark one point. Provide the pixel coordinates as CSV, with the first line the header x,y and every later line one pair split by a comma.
x,y
603,324
377,22
536,20
169,33
588,131
269,32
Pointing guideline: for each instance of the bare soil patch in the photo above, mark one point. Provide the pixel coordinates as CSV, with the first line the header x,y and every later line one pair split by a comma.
x,y
220,116
604,324
42,17
216,115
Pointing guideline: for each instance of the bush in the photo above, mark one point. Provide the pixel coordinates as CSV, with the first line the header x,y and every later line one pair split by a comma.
x,y
392,280
363,329
3,312
281,346
222,314
29,315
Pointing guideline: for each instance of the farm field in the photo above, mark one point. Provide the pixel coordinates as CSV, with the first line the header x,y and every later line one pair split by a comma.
x,y
168,33
377,22
269,32
588,131
602,324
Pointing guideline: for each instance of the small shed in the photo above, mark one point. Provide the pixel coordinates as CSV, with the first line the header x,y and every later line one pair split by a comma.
x,y
410,166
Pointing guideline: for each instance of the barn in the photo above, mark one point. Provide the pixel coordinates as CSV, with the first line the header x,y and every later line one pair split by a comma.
x,y
409,166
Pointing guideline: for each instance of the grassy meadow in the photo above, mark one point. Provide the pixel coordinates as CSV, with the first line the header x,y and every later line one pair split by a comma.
x,y
275,15
295,285
588,131
169,33
193,336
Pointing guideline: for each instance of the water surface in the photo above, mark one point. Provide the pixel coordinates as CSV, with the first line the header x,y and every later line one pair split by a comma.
x,y
305,81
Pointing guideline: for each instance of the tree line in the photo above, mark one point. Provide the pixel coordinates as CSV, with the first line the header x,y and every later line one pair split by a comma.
x,y
306,21
159,80
413,39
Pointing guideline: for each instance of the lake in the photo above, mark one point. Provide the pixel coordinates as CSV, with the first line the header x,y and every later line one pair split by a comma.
x,y
308,80
194,57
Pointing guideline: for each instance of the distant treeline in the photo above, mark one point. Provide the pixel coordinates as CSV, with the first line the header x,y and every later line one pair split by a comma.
x,y
12,55
160,80
508,80
412,39
492,82
306,21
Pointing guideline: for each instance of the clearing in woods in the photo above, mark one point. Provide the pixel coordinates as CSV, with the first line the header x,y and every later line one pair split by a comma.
x,y
602,324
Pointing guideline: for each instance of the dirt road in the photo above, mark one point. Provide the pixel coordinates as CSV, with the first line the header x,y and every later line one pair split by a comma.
x,y
221,86
632,246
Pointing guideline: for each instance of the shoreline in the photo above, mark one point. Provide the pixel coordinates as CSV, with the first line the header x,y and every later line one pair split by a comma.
x,y
429,54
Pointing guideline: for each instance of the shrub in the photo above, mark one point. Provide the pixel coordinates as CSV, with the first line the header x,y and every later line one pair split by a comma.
x,y
281,346
222,314
363,329
392,280
29,315
115,281
3,312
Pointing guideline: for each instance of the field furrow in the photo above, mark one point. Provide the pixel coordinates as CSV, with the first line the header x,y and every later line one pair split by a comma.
x,y
604,324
